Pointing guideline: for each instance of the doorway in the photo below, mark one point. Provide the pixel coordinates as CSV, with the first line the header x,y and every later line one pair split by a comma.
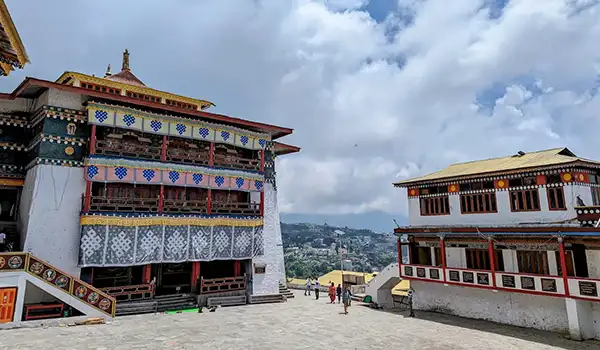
x,y
7,304
172,278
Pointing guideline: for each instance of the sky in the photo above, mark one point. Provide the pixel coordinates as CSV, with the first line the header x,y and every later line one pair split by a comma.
x,y
377,91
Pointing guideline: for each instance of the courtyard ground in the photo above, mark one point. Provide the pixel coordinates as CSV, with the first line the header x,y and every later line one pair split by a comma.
x,y
301,323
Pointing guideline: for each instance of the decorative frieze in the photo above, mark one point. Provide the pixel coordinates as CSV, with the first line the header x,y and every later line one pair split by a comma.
x,y
128,118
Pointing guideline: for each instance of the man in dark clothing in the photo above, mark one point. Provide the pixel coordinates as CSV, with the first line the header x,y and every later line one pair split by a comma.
x,y
317,288
338,291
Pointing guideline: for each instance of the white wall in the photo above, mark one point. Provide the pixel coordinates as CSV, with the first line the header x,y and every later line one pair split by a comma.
x,y
268,283
65,99
18,104
524,310
504,216
593,263
51,212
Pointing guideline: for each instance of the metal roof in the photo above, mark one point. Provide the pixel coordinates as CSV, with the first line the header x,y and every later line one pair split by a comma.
x,y
519,161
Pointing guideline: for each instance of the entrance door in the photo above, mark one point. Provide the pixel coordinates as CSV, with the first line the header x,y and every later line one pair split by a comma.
x,y
7,304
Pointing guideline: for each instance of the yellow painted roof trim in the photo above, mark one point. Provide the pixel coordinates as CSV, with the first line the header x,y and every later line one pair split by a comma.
x,y
13,35
538,159
132,88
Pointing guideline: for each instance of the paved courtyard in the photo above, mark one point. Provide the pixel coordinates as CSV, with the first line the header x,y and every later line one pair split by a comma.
x,y
301,323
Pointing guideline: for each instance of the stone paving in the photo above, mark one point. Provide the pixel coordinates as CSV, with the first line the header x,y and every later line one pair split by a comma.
x,y
301,323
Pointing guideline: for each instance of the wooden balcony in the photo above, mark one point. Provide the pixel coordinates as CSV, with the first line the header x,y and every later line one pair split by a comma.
x,y
195,157
236,162
135,292
121,204
238,208
118,148
185,206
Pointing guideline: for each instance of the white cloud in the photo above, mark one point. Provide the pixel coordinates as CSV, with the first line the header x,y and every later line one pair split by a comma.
x,y
369,106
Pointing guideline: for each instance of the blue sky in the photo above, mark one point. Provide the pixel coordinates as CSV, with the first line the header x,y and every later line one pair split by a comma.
x,y
376,91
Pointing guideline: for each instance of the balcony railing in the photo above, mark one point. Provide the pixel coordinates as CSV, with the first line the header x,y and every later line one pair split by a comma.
x,y
127,149
123,204
184,206
587,288
530,282
240,208
135,292
220,285
236,162
189,156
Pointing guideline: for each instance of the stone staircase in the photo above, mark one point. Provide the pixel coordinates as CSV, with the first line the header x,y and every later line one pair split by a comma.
x,y
283,290
158,304
266,298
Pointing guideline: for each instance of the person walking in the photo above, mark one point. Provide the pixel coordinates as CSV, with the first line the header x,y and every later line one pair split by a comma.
x,y
346,299
317,288
332,293
308,286
338,291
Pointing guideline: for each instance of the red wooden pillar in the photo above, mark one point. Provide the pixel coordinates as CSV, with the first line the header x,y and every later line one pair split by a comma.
x,y
211,155
262,160
209,202
492,260
195,274
93,140
262,202
147,273
237,268
163,150
563,265
88,196
443,251
161,198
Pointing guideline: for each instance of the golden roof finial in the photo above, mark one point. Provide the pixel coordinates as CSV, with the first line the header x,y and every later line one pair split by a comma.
x,y
107,74
125,61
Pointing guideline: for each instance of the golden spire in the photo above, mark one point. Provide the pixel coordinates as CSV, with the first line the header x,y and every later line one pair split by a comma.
x,y
107,74
125,61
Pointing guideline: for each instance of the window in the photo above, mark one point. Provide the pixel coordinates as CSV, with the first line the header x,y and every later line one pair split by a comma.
x,y
100,88
570,263
531,261
478,203
556,198
595,195
424,256
435,206
479,259
143,97
181,104
522,181
525,200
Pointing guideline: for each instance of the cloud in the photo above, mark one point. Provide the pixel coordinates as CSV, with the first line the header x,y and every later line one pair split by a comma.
x,y
371,102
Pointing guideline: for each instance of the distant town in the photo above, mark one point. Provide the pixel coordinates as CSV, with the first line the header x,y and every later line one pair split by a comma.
x,y
313,250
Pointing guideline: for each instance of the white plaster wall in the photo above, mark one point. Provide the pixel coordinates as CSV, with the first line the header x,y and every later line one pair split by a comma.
x,y
510,260
504,216
593,263
8,279
456,257
523,310
51,212
596,318
18,104
268,283
64,99
41,100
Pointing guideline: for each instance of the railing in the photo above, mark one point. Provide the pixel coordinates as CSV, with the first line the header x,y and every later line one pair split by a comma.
x,y
530,282
189,156
588,215
422,272
236,162
49,274
240,208
184,206
121,204
481,278
587,288
135,292
127,149
219,285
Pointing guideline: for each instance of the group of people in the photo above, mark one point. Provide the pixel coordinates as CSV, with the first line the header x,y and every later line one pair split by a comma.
x,y
343,294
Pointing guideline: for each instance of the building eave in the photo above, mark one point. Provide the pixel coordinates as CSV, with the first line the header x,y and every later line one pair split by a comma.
x,y
29,83
283,149
498,230
13,35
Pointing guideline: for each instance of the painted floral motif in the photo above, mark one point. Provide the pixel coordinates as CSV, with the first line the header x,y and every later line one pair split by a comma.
x,y
37,268
49,275
2,262
62,281
93,298
15,262
81,291
104,304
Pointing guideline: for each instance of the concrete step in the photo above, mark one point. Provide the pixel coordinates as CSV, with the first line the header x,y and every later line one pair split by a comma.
x,y
227,301
283,290
136,307
267,298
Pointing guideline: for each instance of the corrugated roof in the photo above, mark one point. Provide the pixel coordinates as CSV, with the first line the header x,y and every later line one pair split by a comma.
x,y
521,160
